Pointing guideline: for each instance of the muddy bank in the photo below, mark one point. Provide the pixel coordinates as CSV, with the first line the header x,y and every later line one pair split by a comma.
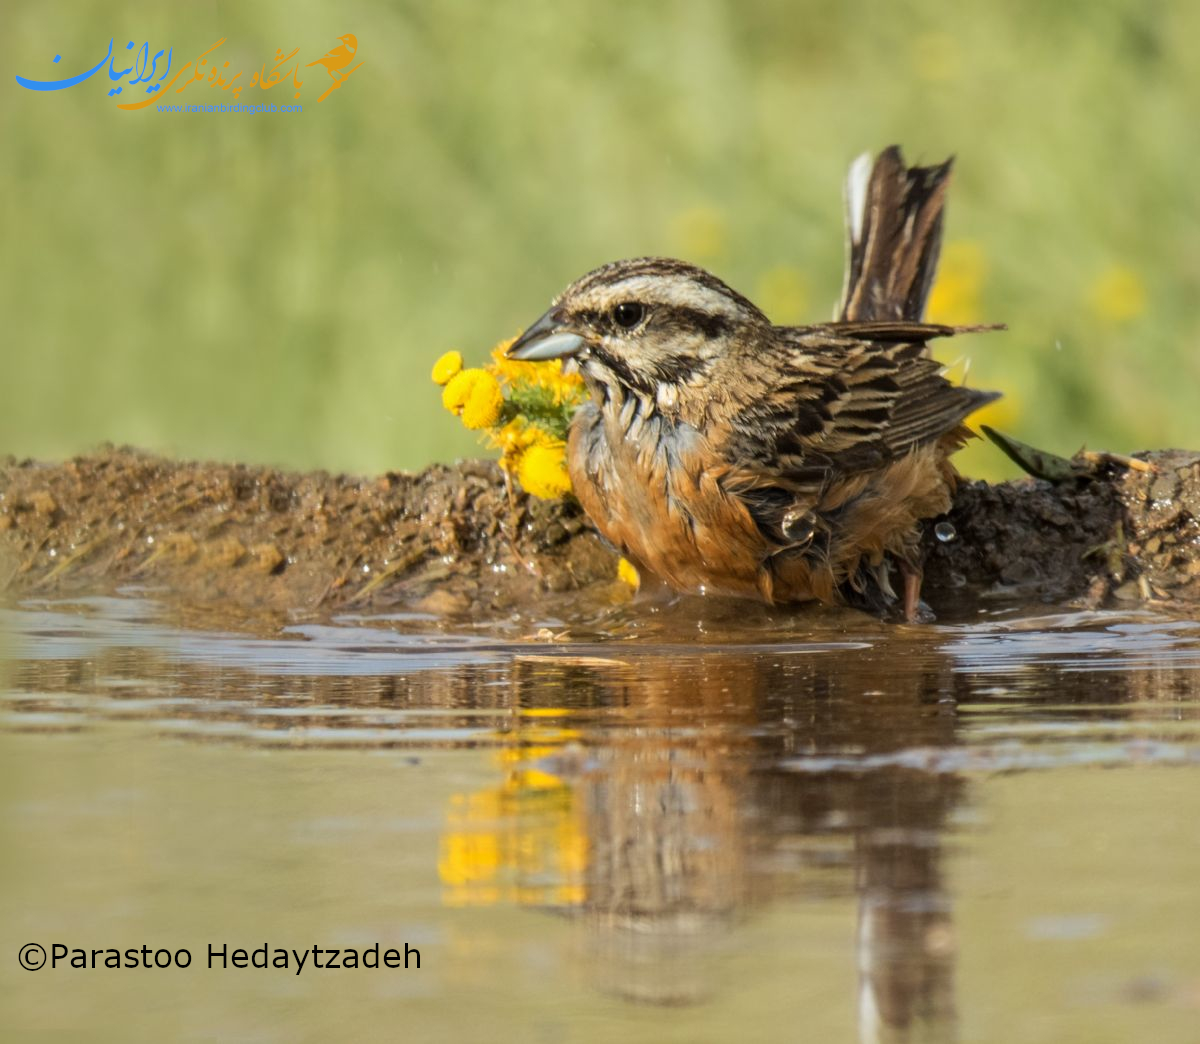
x,y
459,540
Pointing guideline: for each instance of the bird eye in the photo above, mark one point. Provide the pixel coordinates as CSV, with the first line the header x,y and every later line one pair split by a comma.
x,y
628,314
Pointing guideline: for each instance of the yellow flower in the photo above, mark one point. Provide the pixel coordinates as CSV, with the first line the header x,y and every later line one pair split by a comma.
x,y
1118,295
535,401
513,440
457,389
483,407
627,573
512,371
542,470
446,367
474,395
564,387
955,296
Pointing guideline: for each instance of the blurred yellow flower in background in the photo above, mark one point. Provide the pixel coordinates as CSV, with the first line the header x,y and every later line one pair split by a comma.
x,y
956,300
1001,414
701,232
936,57
956,292
782,292
1118,295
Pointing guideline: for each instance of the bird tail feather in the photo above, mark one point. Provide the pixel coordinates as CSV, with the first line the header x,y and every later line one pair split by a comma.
x,y
893,236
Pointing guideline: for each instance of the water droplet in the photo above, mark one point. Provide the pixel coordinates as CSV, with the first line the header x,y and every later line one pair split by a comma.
x,y
945,532
799,526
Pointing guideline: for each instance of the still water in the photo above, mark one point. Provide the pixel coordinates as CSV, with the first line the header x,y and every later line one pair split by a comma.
x,y
666,822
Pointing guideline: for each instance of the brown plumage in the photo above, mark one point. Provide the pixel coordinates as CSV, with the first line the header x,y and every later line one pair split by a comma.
x,y
726,454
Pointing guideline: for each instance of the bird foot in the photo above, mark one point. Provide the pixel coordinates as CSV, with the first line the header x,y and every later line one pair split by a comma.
x,y
915,611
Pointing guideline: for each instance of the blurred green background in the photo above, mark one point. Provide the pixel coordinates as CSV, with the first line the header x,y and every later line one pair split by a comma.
x,y
275,288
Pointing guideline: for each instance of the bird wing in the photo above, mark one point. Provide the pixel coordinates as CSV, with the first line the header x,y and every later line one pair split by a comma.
x,y
841,399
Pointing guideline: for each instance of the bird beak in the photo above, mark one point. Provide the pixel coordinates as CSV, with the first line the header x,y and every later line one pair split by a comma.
x,y
545,339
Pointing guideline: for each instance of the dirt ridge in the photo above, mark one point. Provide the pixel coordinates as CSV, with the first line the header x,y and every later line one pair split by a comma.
x,y
461,539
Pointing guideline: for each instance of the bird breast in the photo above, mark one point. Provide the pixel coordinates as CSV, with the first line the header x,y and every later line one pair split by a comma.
x,y
654,487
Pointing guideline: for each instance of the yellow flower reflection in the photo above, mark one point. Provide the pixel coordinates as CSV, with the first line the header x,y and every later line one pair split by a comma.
x,y
522,841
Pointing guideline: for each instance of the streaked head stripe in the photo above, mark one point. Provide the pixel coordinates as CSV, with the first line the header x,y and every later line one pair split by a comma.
x,y
662,280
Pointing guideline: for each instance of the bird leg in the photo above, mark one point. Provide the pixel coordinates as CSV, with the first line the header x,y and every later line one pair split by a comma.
x,y
912,575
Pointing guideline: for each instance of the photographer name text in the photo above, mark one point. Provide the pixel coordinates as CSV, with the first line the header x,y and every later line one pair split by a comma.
x,y
34,957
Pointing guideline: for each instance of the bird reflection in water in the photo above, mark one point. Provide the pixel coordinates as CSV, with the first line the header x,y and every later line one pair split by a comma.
x,y
662,802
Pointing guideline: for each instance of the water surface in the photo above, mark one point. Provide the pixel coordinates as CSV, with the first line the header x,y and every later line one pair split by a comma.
x,y
672,822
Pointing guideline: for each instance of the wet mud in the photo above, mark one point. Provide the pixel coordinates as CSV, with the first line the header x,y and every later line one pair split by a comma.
x,y
461,541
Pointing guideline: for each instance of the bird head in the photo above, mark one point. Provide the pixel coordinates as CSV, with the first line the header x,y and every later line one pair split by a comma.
x,y
350,40
643,324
